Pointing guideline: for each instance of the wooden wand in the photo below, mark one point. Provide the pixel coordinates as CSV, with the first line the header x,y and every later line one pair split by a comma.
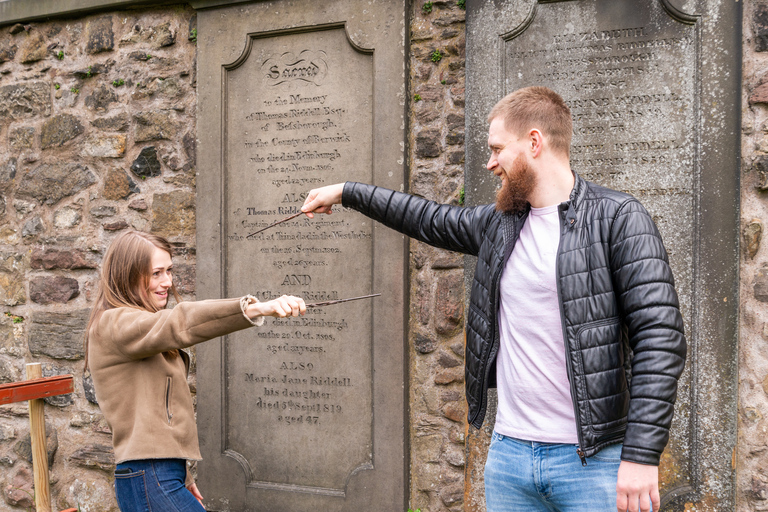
x,y
275,224
329,302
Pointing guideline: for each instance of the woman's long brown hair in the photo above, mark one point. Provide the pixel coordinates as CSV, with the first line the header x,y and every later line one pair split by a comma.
x,y
125,276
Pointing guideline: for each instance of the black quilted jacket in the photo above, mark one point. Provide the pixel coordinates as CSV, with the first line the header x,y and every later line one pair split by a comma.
x,y
625,347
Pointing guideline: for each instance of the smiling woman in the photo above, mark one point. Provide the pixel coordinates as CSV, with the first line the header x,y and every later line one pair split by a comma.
x,y
134,344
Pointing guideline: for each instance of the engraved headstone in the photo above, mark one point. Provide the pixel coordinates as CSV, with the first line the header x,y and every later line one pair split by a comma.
x,y
654,101
302,413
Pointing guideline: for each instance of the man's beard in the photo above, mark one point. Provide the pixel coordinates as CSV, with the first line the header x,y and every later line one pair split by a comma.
x,y
516,188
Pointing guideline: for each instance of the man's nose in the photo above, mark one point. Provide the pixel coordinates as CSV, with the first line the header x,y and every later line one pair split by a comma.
x,y
491,165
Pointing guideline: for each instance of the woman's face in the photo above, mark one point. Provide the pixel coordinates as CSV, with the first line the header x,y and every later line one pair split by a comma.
x,y
160,280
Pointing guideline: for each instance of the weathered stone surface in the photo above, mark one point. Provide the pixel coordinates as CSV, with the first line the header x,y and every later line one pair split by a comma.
x,y
32,227
455,411
23,447
66,218
449,261
454,493
118,185
449,375
101,99
103,211
93,70
12,262
116,123
138,205
759,488
449,304
17,28
104,146
760,27
7,432
8,373
48,290
25,100
146,164
753,234
115,225
19,492
447,361
59,130
12,292
424,344
7,52
761,284
50,370
454,139
428,144
34,49
184,278
7,173
154,125
22,138
190,147
50,183
95,456
173,214
100,36
58,335
90,391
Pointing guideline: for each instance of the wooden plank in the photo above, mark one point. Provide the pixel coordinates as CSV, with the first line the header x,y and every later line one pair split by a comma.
x,y
36,388
39,452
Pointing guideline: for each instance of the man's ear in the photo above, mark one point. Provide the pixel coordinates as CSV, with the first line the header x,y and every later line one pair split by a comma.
x,y
536,141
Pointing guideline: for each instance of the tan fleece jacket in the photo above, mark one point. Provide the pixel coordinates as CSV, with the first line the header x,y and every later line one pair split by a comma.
x,y
143,394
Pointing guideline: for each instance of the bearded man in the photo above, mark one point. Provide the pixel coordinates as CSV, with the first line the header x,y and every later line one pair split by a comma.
x,y
573,317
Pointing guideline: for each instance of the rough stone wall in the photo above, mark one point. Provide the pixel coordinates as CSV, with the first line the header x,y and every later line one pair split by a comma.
x,y
97,135
752,456
436,135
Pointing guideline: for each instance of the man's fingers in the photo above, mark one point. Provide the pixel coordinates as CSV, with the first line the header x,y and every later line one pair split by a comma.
x,y
621,502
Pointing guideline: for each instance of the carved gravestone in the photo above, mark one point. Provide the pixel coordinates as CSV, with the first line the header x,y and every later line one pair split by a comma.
x,y
304,413
653,86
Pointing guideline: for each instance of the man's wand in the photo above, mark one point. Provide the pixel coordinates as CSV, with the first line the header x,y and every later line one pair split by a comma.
x,y
275,224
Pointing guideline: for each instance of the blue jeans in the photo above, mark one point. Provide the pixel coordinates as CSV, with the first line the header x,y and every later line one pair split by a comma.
x,y
154,485
525,476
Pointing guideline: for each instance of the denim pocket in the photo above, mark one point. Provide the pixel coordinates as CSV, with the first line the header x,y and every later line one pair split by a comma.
x,y
611,453
131,491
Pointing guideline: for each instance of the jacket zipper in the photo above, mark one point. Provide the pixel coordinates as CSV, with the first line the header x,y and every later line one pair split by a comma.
x,y
168,399
494,342
579,450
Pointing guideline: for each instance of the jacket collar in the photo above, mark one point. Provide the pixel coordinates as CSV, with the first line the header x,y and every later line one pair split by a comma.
x,y
574,201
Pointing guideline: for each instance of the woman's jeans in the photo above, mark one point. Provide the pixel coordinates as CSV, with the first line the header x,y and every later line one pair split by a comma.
x,y
154,485
524,476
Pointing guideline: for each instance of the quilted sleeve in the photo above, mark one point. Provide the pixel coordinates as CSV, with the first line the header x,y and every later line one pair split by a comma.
x,y
649,305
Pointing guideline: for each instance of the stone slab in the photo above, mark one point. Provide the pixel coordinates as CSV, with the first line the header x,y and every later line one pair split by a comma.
x,y
655,103
304,413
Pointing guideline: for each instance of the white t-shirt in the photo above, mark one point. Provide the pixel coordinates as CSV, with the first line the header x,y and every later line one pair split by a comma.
x,y
534,393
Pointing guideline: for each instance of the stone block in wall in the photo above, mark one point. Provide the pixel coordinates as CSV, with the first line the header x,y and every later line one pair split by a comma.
x,y
449,304
753,235
58,335
66,218
424,344
50,370
761,284
7,51
452,494
50,183
69,259
104,146
116,123
455,411
116,225
100,36
103,211
101,99
34,49
118,185
22,138
59,130
94,456
449,375
18,492
12,292
760,27
23,447
173,214
8,372
146,164
25,100
155,125
53,289
428,144
32,227
184,278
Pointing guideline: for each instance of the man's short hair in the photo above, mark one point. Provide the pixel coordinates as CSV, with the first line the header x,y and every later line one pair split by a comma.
x,y
537,107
